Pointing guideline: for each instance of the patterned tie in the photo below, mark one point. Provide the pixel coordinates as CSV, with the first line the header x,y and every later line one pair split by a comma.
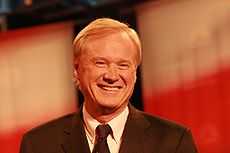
x,y
102,132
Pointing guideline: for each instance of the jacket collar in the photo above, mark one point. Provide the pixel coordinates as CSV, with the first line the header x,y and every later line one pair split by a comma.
x,y
133,137
74,139
134,132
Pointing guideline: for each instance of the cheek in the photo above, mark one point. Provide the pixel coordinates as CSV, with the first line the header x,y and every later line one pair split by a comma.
x,y
130,78
91,74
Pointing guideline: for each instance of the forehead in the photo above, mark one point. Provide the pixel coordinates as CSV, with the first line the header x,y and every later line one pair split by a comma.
x,y
116,44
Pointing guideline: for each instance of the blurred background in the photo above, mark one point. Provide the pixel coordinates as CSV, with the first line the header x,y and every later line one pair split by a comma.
x,y
184,76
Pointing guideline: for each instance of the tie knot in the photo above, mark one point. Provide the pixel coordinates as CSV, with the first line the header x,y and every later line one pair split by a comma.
x,y
103,130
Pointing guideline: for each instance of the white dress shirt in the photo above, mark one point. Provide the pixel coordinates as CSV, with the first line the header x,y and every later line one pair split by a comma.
x,y
117,124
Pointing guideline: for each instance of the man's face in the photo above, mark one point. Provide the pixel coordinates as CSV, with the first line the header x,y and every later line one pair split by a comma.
x,y
106,70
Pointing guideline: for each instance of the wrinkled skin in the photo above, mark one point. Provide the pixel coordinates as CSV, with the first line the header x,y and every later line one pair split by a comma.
x,y
106,71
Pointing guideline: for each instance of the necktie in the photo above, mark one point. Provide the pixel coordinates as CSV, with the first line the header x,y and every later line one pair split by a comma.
x,y
102,132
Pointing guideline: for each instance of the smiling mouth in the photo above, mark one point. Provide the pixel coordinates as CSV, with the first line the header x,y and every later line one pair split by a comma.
x,y
110,88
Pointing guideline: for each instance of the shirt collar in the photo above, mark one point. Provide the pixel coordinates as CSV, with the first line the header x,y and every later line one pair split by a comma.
x,y
117,124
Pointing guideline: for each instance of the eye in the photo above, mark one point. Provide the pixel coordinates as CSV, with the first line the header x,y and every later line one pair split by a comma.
x,y
100,63
124,66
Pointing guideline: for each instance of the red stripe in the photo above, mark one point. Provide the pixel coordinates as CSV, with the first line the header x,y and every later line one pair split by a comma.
x,y
202,105
10,142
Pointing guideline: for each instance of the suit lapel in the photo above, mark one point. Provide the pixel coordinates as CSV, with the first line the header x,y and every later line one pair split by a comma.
x,y
75,140
134,132
133,138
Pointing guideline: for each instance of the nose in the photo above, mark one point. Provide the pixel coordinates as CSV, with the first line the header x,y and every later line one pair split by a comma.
x,y
111,75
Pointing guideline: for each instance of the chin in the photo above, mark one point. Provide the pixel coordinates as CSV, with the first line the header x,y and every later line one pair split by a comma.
x,y
111,105
107,105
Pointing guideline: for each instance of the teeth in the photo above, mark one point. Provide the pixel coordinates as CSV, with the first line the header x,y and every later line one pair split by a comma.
x,y
110,88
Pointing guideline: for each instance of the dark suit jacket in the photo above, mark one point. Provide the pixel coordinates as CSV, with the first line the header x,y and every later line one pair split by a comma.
x,y
143,133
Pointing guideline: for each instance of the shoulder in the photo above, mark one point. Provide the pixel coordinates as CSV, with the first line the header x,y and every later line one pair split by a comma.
x,y
166,135
52,126
42,135
163,127
50,131
163,122
155,121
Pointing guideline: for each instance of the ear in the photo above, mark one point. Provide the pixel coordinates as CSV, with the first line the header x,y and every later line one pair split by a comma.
x,y
75,77
75,73
135,77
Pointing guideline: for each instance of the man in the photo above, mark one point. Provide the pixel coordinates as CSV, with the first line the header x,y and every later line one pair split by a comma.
x,y
106,56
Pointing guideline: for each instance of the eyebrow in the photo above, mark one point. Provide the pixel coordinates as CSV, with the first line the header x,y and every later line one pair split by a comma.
x,y
99,58
117,61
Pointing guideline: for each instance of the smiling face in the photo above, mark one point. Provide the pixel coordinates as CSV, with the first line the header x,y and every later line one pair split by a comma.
x,y
106,70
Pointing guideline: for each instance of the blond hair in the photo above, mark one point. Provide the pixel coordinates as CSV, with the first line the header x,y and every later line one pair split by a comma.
x,y
105,26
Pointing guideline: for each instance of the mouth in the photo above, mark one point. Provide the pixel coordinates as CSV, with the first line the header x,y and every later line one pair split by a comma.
x,y
109,88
